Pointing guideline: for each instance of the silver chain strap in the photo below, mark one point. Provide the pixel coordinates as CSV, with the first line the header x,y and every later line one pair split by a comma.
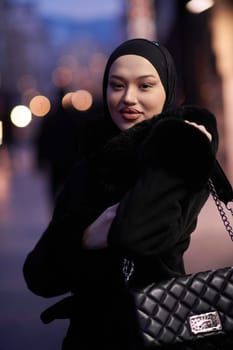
x,y
128,265
220,209
128,269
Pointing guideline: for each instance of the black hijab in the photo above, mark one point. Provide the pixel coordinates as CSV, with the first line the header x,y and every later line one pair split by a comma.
x,y
157,55
104,128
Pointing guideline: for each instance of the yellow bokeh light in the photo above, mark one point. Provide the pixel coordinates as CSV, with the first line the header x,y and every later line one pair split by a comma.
x,y
40,105
82,100
21,116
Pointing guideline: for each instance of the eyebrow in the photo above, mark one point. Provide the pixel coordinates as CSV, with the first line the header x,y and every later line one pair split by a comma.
x,y
140,77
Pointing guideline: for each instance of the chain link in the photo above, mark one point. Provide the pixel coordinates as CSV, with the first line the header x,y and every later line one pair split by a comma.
x,y
128,269
221,209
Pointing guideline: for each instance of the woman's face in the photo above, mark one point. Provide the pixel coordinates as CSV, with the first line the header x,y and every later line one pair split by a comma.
x,y
134,92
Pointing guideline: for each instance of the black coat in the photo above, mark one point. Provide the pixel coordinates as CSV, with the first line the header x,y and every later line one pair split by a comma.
x,y
158,170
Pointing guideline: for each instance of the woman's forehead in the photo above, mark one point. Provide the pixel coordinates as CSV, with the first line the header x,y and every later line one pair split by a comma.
x,y
133,63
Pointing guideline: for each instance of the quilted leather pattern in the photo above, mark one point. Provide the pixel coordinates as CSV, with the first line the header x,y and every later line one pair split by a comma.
x,y
164,308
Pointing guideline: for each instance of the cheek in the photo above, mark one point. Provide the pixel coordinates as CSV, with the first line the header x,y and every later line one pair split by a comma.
x,y
157,102
112,100
163,97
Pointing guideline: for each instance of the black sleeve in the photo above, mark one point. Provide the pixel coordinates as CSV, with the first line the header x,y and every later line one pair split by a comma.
x,y
149,217
54,263
48,267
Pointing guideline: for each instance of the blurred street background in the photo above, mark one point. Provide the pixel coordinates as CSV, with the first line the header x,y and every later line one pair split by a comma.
x,y
52,55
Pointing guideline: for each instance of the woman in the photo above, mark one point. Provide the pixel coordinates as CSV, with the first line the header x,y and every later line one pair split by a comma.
x,y
138,196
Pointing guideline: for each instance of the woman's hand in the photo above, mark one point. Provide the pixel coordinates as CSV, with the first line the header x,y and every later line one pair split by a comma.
x,y
95,235
201,128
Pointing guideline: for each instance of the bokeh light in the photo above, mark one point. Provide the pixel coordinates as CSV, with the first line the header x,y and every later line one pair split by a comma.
x,y
1,132
62,76
67,100
198,6
40,105
97,63
82,100
26,82
27,95
21,116
67,61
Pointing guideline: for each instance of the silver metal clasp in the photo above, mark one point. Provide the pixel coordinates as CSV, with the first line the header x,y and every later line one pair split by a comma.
x,y
203,323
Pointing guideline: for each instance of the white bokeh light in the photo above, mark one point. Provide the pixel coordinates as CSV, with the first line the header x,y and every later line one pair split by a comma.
x,y
198,6
21,116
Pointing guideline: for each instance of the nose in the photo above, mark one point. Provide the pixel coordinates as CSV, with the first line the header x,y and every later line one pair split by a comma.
x,y
130,97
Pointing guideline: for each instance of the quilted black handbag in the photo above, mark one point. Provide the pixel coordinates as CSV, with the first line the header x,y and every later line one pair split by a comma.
x,y
194,311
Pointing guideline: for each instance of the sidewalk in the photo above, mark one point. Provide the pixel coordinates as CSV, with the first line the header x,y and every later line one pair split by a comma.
x,y
24,213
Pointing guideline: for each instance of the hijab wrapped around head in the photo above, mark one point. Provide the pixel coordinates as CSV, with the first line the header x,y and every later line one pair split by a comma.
x,y
104,128
157,55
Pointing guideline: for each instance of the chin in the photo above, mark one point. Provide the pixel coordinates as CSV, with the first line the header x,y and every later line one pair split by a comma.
x,y
127,125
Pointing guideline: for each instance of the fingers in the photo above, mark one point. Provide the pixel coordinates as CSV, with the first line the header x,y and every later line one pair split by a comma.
x,y
95,235
201,128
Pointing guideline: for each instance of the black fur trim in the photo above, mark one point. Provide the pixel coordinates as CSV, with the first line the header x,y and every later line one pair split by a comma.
x,y
182,149
164,140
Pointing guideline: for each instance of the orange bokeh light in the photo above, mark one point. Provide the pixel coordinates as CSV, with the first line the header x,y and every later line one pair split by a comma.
x,y
82,100
40,105
67,100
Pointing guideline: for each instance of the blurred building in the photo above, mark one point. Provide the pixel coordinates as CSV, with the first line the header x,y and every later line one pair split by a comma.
x,y
24,47
33,48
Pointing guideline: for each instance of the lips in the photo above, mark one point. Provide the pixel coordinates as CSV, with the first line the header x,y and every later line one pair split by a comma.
x,y
130,113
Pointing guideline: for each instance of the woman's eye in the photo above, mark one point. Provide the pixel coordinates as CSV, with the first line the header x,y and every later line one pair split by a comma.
x,y
146,86
116,86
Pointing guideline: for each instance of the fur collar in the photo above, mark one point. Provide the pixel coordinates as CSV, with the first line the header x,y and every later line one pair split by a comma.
x,y
160,139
